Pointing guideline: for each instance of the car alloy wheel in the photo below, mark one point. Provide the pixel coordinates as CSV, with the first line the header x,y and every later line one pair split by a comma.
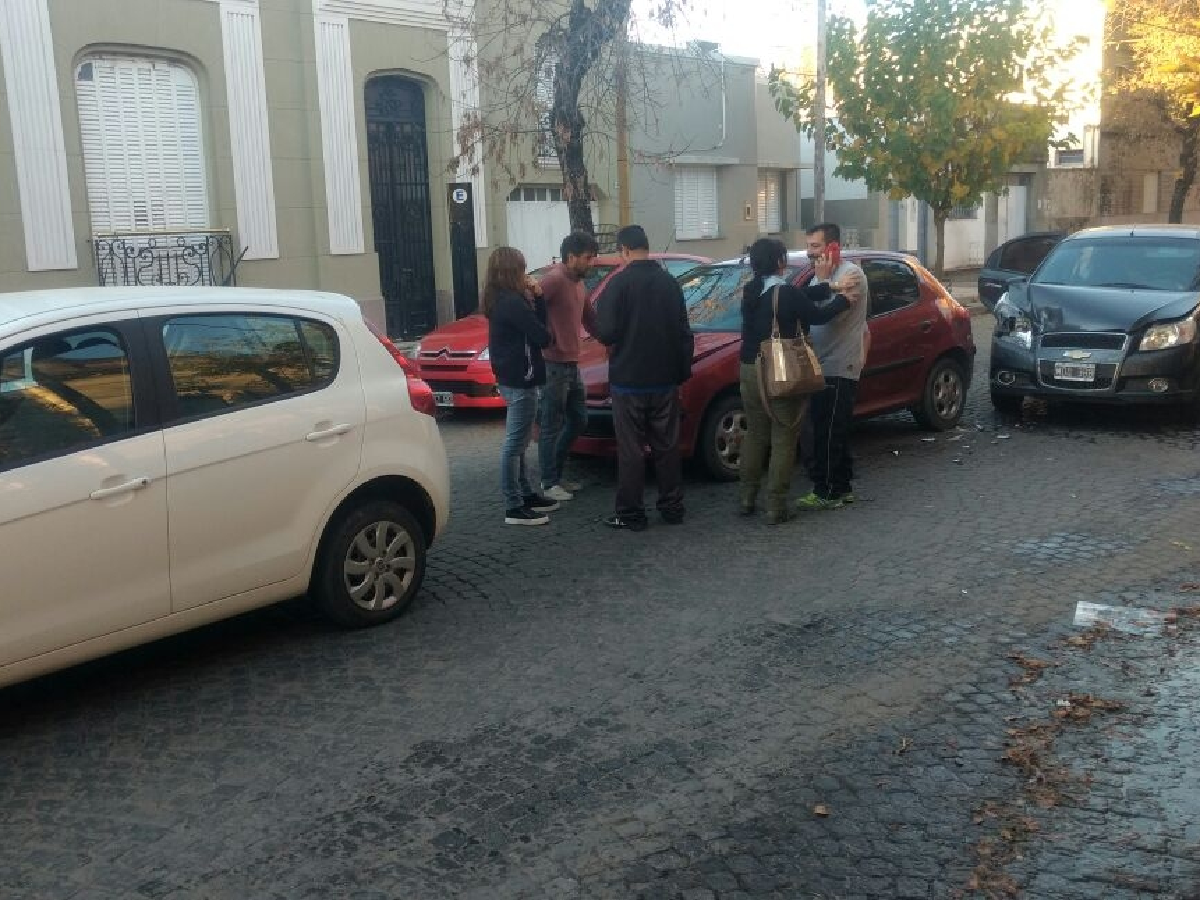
x,y
371,564
379,566
944,396
723,433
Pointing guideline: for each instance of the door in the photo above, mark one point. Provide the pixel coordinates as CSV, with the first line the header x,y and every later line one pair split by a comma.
x,y
398,161
538,219
264,431
83,498
901,335
1012,212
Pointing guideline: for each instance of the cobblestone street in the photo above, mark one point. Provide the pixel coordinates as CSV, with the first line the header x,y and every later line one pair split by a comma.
x,y
890,700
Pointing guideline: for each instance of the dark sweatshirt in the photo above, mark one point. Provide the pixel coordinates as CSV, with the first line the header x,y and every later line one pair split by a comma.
x,y
642,319
516,335
797,308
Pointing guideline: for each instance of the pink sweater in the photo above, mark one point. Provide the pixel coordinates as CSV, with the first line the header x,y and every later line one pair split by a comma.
x,y
566,309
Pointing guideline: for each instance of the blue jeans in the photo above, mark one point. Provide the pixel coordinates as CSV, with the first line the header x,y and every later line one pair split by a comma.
x,y
521,406
562,417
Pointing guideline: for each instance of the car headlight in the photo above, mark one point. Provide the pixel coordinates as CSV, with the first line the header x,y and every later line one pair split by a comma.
x,y
1012,323
1169,334
484,355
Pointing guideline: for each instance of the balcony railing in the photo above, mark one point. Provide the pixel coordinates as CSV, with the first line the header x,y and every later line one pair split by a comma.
x,y
149,258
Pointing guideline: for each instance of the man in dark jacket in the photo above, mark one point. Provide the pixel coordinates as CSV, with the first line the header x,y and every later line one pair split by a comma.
x,y
642,320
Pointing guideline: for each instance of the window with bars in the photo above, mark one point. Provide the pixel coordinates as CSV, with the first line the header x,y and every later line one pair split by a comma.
x,y
544,99
696,203
770,202
964,212
143,153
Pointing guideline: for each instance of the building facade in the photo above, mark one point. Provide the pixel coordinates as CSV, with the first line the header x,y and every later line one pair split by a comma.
x,y
312,144
281,143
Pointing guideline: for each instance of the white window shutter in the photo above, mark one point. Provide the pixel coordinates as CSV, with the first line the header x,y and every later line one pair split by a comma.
x,y
770,203
696,213
143,151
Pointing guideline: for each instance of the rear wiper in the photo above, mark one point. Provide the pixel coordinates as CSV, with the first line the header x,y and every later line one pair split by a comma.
x,y
1132,285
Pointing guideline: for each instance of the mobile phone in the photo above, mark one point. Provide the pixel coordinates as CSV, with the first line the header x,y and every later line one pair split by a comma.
x,y
834,251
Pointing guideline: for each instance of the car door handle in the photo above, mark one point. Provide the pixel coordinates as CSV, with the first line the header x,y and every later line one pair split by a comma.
x,y
927,325
127,488
335,431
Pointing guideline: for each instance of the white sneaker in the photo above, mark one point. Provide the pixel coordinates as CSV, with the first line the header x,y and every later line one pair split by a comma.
x,y
573,487
556,492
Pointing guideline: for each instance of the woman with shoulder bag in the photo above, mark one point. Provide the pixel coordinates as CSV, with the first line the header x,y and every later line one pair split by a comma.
x,y
517,332
774,425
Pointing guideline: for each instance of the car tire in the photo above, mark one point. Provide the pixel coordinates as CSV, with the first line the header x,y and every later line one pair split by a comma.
x,y
944,396
1007,404
370,566
721,435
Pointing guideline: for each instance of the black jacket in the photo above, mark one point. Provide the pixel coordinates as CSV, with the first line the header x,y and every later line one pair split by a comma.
x,y
516,335
797,308
642,319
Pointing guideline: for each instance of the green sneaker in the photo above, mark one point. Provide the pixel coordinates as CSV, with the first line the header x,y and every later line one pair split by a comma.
x,y
812,502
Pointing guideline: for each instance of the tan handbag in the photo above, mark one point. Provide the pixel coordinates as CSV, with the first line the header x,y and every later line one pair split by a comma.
x,y
787,367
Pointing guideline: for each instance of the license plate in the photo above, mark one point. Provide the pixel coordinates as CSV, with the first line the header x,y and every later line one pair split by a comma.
x,y
443,398
1074,371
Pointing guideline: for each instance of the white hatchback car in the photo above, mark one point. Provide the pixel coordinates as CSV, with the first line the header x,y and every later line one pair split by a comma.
x,y
173,456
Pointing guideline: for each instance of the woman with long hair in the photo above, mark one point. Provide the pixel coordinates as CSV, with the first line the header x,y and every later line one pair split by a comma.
x,y
775,429
517,333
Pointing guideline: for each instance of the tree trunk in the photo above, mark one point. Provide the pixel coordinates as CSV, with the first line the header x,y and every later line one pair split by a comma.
x,y
588,31
939,231
577,188
1187,170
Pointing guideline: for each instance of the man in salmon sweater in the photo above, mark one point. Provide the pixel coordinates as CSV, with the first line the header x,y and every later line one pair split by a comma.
x,y
562,408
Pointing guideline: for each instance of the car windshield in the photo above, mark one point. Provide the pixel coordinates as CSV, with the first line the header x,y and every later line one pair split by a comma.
x,y
1135,263
713,295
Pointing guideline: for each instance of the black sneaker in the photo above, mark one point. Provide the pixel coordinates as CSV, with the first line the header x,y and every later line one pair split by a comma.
x,y
629,523
540,503
673,518
524,516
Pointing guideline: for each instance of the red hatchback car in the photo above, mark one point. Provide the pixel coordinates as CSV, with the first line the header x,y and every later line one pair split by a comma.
x,y
453,359
921,356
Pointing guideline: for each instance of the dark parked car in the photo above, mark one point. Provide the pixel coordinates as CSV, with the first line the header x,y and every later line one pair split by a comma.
x,y
1013,260
1109,316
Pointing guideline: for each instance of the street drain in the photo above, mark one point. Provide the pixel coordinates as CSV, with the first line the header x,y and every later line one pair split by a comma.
x,y
1068,546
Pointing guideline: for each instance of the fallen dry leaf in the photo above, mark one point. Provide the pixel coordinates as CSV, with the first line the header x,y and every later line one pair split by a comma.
x,y
1181,545
905,743
821,810
1190,586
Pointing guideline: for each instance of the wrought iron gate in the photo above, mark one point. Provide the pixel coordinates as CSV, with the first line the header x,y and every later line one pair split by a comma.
x,y
400,208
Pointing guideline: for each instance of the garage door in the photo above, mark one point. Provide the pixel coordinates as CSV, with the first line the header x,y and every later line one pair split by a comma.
x,y
538,220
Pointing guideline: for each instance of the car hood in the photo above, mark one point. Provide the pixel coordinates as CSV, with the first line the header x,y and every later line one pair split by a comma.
x,y
1069,308
593,358
467,333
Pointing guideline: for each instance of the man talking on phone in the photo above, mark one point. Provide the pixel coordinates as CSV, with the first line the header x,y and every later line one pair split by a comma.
x,y
841,346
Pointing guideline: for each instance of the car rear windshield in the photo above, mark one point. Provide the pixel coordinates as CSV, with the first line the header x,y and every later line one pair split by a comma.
x,y
1137,263
713,295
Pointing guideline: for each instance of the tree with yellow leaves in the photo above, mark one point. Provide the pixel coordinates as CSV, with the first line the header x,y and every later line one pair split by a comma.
x,y
1155,59
934,99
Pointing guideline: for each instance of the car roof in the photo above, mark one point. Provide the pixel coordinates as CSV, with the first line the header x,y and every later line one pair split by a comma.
x,y
612,259
53,304
1034,235
800,257
1105,232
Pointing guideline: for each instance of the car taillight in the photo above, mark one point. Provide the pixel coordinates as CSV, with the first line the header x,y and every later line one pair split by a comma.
x,y
420,394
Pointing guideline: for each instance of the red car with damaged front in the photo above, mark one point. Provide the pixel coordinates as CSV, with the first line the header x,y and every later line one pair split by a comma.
x,y
921,356
453,359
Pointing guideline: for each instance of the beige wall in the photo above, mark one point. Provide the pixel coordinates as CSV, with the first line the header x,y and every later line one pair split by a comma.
x,y
190,32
